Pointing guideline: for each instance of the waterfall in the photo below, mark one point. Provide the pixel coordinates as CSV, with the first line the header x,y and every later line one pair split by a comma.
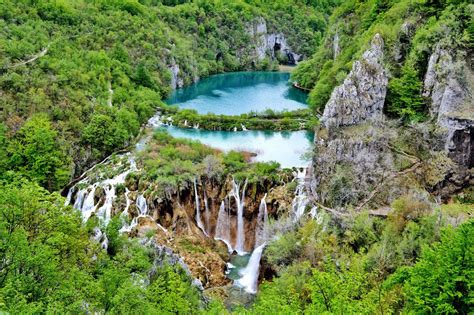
x,y
142,205
301,200
198,213
223,227
249,280
262,219
105,212
88,206
239,200
243,127
69,196
79,198
335,45
207,213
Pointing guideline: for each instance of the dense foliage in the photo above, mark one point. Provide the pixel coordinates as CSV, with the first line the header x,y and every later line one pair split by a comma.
x,y
78,63
412,262
50,263
267,120
410,29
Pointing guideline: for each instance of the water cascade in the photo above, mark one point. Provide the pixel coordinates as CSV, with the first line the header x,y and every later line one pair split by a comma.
x,y
239,200
142,205
249,280
223,227
198,212
207,213
262,219
301,199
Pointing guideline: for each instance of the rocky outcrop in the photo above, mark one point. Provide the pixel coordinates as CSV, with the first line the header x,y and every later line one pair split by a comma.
x,y
270,43
449,84
361,162
362,95
176,80
356,163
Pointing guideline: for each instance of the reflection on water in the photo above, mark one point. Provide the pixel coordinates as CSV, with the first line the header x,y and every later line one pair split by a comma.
x,y
285,148
240,92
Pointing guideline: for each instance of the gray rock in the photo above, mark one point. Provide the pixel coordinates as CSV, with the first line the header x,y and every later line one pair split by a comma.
x,y
176,81
449,84
362,95
267,44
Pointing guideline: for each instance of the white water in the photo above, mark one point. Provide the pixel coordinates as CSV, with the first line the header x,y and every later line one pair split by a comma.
x,y
240,202
142,205
262,218
301,199
207,213
249,280
198,211
223,227
85,201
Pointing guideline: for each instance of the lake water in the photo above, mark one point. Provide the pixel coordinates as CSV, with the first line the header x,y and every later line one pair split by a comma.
x,y
240,92
285,148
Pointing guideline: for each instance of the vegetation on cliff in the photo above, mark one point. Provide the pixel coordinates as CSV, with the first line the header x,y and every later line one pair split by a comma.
x,y
410,29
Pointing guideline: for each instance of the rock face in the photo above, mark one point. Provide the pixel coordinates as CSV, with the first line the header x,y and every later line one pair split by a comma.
x,y
449,84
362,95
270,44
176,80
352,155
361,162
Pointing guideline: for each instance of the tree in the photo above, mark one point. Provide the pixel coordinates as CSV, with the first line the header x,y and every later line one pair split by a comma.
x,y
36,153
442,281
404,96
104,134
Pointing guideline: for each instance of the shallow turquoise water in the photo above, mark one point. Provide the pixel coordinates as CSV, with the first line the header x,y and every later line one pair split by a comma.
x,y
240,92
285,148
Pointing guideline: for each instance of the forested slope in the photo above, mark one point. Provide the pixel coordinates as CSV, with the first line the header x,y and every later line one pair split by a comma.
x,y
95,71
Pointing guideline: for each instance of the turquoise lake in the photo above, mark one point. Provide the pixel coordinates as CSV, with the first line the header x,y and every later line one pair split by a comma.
x,y
240,92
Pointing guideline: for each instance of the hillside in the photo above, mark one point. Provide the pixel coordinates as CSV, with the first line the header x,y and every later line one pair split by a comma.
x,y
109,204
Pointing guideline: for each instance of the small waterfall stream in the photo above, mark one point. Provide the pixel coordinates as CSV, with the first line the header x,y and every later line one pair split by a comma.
x,y
207,213
301,199
262,219
240,202
249,279
223,227
198,210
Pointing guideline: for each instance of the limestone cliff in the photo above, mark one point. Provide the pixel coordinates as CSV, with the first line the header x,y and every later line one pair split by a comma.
x,y
362,95
270,44
363,159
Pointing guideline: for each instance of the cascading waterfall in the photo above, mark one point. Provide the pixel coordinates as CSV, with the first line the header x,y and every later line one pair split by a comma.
x,y
223,227
301,199
105,212
249,279
240,202
207,213
142,205
88,206
262,218
69,196
198,212
85,201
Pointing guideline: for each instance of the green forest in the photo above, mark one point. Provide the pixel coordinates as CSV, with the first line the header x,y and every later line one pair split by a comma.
x,y
79,80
